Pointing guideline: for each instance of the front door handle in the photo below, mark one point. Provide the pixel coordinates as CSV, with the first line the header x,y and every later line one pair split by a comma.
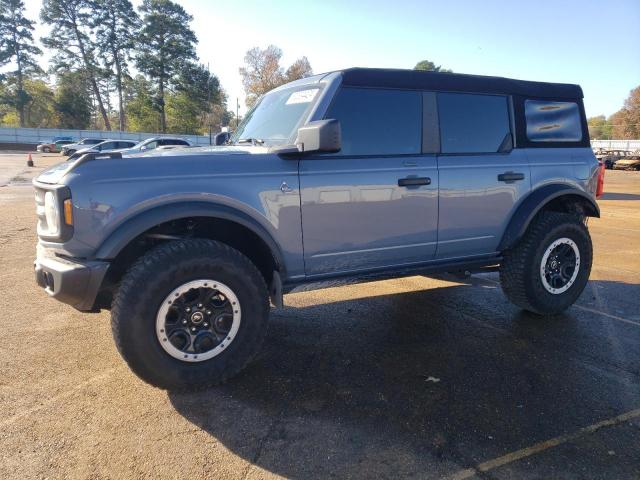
x,y
413,181
510,177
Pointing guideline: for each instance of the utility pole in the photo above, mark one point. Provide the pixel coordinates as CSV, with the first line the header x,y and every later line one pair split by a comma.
x,y
237,113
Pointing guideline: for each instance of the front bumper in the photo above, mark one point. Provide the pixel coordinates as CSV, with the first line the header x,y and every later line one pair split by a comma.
x,y
73,282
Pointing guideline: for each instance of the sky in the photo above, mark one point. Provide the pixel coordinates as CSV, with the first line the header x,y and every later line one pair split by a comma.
x,y
593,43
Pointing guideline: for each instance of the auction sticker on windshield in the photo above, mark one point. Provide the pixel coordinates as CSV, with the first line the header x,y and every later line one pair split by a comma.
x,y
302,96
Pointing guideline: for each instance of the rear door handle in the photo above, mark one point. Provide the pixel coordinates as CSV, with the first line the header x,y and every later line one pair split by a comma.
x,y
510,177
413,181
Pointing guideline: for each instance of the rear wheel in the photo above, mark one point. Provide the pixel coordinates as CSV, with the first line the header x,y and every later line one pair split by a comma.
x,y
190,314
46,149
549,268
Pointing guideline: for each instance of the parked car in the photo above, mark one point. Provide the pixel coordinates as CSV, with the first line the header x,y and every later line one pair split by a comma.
x,y
359,174
155,142
106,146
53,147
56,138
630,162
71,148
609,157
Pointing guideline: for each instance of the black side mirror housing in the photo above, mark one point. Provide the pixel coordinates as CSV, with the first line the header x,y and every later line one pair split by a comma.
x,y
317,136
320,136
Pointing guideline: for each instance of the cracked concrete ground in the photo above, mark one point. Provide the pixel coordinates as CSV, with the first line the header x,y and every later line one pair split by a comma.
x,y
406,378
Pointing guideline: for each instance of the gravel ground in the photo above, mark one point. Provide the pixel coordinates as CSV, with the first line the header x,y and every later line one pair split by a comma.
x,y
414,377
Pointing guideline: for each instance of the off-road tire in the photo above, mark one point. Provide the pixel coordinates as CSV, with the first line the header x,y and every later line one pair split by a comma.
x,y
152,278
520,270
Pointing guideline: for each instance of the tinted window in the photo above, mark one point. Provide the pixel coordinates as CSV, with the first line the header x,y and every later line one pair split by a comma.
x,y
92,141
378,122
552,121
472,123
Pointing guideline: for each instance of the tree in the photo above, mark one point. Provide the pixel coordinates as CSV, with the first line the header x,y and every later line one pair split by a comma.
x,y
71,38
16,44
429,66
599,127
72,100
262,71
197,95
115,22
165,44
141,112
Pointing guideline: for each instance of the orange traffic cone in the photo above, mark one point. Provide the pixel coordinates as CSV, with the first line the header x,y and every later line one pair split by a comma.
x,y
29,160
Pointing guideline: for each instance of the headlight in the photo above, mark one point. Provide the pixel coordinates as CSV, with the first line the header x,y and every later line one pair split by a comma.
x,y
52,213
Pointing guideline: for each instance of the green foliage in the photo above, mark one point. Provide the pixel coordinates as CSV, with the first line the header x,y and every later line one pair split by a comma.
x,y
141,114
599,128
116,24
429,66
72,106
165,45
16,45
70,37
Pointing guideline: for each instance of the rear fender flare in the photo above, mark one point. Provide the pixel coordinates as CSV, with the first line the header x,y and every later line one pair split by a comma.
x,y
534,203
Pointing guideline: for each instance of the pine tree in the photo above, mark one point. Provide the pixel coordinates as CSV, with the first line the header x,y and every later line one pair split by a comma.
x,y
116,24
165,44
71,38
16,45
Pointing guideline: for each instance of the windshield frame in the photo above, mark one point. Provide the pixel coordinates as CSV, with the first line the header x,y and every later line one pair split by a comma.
x,y
233,140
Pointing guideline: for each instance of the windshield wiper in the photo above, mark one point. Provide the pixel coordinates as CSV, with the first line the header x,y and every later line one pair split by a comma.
x,y
252,141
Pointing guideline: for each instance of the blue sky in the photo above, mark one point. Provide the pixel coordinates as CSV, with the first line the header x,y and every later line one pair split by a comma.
x,y
593,43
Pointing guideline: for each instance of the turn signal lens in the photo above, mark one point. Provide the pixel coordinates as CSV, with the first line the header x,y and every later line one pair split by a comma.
x,y
68,212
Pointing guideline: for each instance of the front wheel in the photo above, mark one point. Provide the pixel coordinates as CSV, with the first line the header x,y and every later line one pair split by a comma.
x,y
46,150
548,269
190,314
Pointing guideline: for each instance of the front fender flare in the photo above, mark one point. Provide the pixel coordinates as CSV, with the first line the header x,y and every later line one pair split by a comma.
x,y
533,203
148,219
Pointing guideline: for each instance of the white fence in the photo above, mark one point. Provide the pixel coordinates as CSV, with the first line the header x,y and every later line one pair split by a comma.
x,y
36,135
616,144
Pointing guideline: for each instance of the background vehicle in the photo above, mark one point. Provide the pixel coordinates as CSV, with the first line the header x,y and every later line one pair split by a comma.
x,y
71,148
152,143
106,146
610,157
53,147
630,162
359,174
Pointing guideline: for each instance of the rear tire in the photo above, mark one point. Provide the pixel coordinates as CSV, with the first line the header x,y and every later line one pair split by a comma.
x,y
46,150
164,274
548,269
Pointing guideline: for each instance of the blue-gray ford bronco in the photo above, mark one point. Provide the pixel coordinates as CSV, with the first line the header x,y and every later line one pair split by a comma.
x,y
355,174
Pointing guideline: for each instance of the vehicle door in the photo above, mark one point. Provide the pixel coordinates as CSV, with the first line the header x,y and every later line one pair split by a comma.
x,y
374,204
482,177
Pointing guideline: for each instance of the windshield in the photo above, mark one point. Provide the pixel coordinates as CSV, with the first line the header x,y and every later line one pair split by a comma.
x,y
274,119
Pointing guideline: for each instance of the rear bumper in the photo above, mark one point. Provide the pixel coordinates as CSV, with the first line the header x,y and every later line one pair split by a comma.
x,y
70,281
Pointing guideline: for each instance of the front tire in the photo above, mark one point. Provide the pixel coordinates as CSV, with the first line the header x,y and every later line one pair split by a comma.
x,y
190,314
46,150
548,269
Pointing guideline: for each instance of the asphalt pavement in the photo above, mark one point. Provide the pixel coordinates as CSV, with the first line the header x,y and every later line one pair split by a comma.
x,y
406,378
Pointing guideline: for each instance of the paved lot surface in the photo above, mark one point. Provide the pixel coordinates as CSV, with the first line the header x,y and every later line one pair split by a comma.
x,y
415,377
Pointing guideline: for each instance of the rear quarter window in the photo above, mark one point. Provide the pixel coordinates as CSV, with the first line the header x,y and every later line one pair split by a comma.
x,y
549,121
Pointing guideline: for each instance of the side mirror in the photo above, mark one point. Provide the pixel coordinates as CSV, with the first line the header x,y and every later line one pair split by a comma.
x,y
318,136
143,147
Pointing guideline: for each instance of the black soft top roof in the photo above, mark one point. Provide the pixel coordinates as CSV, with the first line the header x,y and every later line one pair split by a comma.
x,y
456,82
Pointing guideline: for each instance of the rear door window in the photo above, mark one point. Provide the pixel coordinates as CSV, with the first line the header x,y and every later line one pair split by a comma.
x,y
474,123
549,121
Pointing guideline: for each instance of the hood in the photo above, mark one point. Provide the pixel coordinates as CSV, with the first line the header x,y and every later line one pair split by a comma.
x,y
56,173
